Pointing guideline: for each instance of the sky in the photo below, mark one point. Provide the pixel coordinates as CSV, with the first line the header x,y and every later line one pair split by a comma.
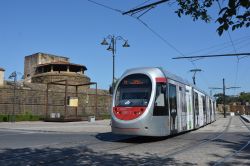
x,y
76,28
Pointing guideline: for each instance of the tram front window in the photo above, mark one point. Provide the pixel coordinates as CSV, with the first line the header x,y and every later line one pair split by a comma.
x,y
134,90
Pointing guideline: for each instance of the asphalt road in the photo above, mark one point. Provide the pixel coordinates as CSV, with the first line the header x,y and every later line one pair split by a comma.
x,y
225,142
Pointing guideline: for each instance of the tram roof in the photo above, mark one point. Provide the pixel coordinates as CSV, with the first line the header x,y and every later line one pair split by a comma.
x,y
180,80
173,77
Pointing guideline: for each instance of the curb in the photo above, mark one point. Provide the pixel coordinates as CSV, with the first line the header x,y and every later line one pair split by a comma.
x,y
245,118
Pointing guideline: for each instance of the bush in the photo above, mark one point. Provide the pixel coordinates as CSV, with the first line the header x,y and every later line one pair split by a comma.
x,y
105,116
23,117
3,118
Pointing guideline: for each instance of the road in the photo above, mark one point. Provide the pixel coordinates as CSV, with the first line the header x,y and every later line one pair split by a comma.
x,y
225,142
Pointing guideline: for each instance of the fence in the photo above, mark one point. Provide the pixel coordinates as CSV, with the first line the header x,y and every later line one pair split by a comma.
x,y
34,102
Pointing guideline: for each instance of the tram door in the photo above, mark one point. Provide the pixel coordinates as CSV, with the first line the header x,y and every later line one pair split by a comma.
x,y
204,110
196,109
182,110
173,108
210,110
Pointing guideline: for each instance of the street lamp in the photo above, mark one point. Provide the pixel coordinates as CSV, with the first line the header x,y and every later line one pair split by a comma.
x,y
111,40
14,76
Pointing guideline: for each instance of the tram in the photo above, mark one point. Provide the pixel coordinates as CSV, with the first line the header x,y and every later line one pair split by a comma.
x,y
155,102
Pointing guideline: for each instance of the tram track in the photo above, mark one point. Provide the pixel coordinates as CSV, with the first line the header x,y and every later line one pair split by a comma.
x,y
81,149
236,152
193,146
113,150
56,146
103,152
132,144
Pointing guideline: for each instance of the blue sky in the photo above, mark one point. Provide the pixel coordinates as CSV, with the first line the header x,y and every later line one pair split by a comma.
x,y
76,28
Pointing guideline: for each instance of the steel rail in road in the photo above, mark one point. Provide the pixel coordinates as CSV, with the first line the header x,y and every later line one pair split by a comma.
x,y
193,146
130,142
140,141
23,156
82,148
227,157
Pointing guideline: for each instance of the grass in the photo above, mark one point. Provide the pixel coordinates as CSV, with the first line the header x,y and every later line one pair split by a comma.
x,y
105,116
23,117
29,117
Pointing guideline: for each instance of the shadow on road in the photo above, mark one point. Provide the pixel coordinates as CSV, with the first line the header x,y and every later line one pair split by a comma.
x,y
110,137
78,156
239,150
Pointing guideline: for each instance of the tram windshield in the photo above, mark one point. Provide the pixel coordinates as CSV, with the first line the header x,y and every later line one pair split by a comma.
x,y
134,90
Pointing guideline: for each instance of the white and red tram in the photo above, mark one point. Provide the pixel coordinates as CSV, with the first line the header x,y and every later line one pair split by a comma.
x,y
154,102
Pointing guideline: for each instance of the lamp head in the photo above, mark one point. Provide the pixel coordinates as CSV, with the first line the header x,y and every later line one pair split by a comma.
x,y
126,44
104,42
110,48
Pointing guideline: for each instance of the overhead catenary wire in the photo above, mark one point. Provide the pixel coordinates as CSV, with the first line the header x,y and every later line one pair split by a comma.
x,y
226,47
144,7
141,4
235,51
105,6
245,45
192,61
212,56
147,26
142,22
221,46
170,45
159,36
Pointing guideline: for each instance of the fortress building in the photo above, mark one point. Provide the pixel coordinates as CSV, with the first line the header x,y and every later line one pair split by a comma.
x,y
1,76
53,87
44,68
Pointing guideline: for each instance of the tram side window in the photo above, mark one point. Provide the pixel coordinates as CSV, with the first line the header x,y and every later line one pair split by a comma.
x,y
204,103
160,108
172,99
196,103
214,106
210,107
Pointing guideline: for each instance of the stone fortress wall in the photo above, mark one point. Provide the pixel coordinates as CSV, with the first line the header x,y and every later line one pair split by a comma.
x,y
30,95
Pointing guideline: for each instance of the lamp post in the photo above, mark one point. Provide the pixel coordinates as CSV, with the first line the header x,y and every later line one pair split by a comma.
x,y
111,40
14,76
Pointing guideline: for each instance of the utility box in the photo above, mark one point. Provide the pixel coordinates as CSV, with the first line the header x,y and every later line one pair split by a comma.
x,y
91,118
55,115
72,101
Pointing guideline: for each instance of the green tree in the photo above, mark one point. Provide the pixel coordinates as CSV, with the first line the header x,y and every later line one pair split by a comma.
x,y
231,14
228,99
244,97
219,98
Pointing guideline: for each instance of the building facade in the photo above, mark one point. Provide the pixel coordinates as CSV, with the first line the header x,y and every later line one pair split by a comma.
x,y
2,76
32,61
44,68
35,96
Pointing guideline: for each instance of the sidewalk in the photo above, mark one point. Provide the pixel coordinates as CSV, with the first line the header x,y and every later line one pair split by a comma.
x,y
99,126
